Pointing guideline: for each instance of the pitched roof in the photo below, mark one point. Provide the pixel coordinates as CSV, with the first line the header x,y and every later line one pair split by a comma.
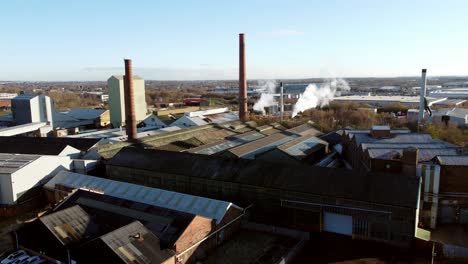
x,y
134,243
249,150
332,182
121,77
453,160
43,146
210,208
68,225
229,142
300,147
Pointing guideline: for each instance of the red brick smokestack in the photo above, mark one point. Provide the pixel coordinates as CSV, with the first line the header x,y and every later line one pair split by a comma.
x,y
130,117
242,80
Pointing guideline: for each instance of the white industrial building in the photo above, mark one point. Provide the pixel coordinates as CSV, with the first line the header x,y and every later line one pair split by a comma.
x,y
19,173
386,100
117,99
32,108
459,93
205,117
7,96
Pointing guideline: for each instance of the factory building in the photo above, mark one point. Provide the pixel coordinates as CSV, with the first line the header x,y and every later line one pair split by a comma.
x,y
32,108
204,117
456,116
372,206
117,99
184,225
252,149
440,165
303,150
459,93
410,101
20,172
219,147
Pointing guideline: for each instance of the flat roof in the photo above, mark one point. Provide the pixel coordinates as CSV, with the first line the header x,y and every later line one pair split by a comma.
x,y
10,163
424,154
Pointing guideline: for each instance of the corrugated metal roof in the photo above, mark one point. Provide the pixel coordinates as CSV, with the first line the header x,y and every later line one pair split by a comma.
x,y
250,150
373,187
453,160
305,129
68,225
10,163
197,205
413,138
134,243
432,145
226,144
301,147
424,154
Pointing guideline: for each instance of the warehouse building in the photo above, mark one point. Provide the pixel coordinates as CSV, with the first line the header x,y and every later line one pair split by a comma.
x,y
253,149
302,150
19,173
219,147
410,101
179,221
440,165
204,117
373,206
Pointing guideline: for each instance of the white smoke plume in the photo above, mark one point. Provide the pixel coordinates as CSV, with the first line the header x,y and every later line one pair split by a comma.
x,y
266,98
319,95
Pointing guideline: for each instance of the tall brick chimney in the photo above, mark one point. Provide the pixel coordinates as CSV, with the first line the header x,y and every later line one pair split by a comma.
x,y
130,116
242,80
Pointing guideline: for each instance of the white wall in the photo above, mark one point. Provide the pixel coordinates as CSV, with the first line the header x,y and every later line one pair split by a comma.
x,y
38,172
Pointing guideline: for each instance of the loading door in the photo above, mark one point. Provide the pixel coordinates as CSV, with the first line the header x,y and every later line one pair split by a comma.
x,y
338,223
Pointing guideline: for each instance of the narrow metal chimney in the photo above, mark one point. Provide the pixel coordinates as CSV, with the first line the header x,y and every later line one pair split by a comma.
x,y
281,102
421,98
130,116
242,80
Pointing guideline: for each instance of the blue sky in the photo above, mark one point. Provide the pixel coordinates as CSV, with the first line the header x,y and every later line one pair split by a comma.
x,y
49,40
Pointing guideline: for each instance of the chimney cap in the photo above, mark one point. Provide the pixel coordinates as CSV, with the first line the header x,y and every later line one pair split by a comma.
x,y
424,70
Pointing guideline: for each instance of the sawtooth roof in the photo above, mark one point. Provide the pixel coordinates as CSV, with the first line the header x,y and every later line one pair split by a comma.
x,y
374,187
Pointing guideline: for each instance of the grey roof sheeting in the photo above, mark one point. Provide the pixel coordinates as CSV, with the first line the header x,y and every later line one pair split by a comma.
x,y
425,154
374,187
250,150
10,163
134,243
453,160
68,225
229,142
302,146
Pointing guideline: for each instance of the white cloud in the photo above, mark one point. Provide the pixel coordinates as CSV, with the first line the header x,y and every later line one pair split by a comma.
x,y
286,32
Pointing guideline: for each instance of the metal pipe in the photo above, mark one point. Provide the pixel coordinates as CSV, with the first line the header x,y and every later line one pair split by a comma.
x,y
130,116
422,95
242,80
281,102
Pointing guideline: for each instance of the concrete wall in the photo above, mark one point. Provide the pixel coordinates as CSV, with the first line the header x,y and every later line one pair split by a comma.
x,y
117,100
36,173
6,191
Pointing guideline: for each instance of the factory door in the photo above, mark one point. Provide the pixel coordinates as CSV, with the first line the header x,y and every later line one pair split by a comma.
x,y
338,223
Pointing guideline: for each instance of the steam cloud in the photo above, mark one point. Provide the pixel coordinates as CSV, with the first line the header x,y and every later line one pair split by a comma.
x,y
266,98
319,95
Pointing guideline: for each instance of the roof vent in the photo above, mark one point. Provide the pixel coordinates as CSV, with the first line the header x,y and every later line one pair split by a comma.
x,y
380,131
